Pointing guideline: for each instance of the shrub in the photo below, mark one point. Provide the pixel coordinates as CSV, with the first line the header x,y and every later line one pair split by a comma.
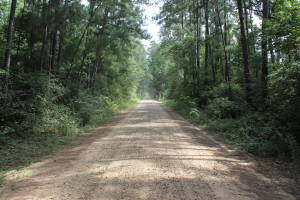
x,y
53,118
235,92
93,110
222,107
255,132
284,92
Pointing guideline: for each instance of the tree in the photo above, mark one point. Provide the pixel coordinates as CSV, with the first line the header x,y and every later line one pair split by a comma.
x,y
9,39
66,56
264,49
247,81
206,36
235,80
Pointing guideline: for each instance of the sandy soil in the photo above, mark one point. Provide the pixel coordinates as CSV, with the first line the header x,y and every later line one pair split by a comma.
x,y
147,153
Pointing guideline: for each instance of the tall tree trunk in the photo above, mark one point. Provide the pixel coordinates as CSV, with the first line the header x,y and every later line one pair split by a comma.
x,y
247,80
206,38
61,34
246,20
53,51
9,39
264,49
55,35
19,39
224,44
60,49
43,56
212,63
251,42
199,20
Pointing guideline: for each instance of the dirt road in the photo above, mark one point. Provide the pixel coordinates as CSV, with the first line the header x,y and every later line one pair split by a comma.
x,y
148,153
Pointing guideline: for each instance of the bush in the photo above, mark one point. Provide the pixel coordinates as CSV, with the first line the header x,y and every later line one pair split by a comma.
x,y
255,132
93,110
235,92
222,107
284,92
53,118
250,133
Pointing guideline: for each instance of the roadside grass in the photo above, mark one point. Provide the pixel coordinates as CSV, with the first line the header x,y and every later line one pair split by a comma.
x,y
19,152
254,132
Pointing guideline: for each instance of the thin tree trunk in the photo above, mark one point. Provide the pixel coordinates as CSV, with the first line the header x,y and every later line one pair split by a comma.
x,y
43,56
224,41
213,68
264,50
53,51
197,70
9,40
246,20
247,80
198,18
251,42
19,40
60,49
206,38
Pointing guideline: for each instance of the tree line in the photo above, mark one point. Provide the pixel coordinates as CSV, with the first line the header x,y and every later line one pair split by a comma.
x,y
67,64
234,65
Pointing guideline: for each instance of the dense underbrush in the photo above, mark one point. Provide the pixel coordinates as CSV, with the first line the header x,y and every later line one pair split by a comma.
x,y
45,122
268,132
255,132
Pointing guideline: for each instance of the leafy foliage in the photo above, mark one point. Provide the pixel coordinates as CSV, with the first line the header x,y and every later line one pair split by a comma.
x,y
71,66
222,108
238,77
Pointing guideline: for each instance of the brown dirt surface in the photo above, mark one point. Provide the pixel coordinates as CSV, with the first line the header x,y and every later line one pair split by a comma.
x,y
150,153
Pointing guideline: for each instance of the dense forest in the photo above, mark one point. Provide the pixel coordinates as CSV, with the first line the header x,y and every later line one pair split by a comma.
x,y
65,65
232,66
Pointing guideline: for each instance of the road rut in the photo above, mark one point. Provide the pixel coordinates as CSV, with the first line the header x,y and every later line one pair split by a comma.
x,y
151,153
